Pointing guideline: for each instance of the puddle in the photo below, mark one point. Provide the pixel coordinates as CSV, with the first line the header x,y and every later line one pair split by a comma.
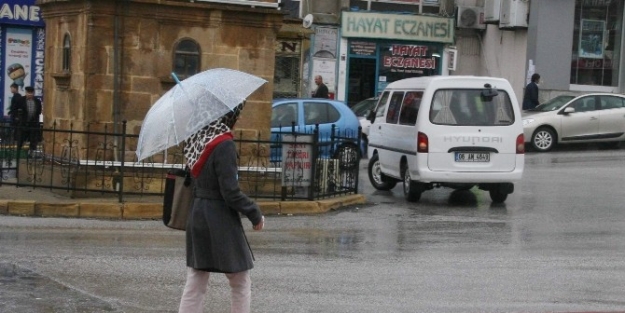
x,y
23,290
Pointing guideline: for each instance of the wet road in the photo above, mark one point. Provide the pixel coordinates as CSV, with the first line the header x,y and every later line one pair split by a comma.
x,y
556,245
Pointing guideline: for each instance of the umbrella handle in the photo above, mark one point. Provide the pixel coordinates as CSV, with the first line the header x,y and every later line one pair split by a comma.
x,y
175,77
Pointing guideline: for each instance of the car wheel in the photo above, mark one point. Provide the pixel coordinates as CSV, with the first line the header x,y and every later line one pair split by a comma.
x,y
378,180
412,189
348,156
543,139
497,196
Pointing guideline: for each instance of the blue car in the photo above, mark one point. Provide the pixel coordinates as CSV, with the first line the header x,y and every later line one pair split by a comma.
x,y
301,116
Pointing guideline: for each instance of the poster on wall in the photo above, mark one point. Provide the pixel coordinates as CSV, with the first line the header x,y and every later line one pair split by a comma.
x,y
327,69
17,60
325,42
591,39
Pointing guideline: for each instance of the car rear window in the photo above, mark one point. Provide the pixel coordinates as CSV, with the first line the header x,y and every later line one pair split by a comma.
x,y
467,107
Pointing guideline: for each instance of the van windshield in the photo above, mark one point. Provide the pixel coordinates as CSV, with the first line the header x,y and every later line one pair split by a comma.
x,y
467,107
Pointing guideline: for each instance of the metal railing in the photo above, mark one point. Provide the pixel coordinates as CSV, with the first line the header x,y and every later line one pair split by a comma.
x,y
99,161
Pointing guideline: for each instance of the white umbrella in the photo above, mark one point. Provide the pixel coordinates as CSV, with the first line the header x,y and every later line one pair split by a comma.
x,y
192,104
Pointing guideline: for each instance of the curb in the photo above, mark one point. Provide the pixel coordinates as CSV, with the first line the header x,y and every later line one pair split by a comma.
x,y
136,211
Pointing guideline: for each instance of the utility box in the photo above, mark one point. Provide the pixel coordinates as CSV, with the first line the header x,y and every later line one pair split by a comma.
x,y
492,10
514,14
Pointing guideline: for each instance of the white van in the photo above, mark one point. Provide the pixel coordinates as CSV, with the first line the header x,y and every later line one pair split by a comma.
x,y
447,131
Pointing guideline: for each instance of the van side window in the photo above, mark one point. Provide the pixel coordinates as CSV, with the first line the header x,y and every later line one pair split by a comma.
x,y
394,106
467,107
410,108
379,109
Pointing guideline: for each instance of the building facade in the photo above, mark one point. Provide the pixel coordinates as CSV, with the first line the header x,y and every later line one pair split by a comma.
x,y
109,61
577,46
358,46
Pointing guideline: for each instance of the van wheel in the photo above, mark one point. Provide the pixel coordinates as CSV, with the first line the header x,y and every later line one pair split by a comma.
x,y
497,196
378,180
412,189
543,139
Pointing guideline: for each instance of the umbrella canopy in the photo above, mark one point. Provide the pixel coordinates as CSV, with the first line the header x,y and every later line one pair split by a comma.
x,y
192,104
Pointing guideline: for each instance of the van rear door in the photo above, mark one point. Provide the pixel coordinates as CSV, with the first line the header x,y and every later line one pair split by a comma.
x,y
472,131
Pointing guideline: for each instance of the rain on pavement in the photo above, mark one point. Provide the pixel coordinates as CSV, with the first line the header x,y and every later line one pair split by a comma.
x,y
556,245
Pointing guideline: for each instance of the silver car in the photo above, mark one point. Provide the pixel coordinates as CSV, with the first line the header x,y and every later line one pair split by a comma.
x,y
596,117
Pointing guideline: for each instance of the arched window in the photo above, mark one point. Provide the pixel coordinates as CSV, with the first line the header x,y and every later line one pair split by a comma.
x,y
186,58
67,52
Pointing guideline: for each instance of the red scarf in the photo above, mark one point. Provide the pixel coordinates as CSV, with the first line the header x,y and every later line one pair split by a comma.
x,y
210,146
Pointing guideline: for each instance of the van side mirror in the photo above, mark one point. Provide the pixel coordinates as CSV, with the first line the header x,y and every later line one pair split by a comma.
x,y
371,115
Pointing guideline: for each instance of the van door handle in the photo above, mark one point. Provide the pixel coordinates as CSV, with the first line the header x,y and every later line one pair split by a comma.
x,y
592,118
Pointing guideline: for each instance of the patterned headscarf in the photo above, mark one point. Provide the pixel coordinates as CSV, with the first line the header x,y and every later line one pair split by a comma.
x,y
195,146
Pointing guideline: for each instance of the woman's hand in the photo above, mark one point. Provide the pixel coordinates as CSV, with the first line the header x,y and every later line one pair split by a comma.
x,y
260,225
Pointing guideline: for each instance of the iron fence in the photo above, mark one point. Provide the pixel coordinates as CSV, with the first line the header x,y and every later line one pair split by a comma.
x,y
100,160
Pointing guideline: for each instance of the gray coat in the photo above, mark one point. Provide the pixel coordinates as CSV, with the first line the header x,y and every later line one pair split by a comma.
x,y
215,238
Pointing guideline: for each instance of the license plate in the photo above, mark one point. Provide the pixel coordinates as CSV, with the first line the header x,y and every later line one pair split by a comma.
x,y
472,157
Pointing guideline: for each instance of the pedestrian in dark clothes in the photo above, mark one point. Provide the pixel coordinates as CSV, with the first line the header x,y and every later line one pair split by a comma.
x,y
530,97
216,241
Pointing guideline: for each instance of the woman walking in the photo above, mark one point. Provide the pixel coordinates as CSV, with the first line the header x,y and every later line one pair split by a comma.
x,y
215,238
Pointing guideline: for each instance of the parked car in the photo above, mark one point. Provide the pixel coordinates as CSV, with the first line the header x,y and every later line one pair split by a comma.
x,y
362,109
306,114
590,118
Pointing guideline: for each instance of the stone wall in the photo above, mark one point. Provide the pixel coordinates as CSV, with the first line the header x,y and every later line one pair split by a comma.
x,y
110,82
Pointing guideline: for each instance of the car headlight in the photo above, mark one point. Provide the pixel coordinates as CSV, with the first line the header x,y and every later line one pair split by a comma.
x,y
527,121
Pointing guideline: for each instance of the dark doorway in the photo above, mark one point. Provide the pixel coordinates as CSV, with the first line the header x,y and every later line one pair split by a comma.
x,y
361,80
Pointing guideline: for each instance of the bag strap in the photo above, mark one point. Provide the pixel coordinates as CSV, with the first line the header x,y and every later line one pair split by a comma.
x,y
187,176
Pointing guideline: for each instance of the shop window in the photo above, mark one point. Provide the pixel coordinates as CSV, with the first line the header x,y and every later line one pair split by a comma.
x,y
286,77
186,58
67,53
596,42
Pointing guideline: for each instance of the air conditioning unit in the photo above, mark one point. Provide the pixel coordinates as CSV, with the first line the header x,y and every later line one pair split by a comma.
x,y
492,9
471,17
513,14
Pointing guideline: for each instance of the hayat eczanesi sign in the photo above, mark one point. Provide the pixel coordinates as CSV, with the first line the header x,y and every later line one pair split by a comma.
x,y
397,26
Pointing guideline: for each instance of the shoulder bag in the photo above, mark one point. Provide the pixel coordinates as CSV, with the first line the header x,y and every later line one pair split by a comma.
x,y
178,198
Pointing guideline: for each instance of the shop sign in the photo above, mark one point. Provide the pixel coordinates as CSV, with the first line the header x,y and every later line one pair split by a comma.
x,y
404,57
363,48
296,160
593,64
288,47
21,12
397,26
40,47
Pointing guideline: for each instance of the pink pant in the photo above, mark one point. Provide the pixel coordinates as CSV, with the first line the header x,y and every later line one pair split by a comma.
x,y
197,283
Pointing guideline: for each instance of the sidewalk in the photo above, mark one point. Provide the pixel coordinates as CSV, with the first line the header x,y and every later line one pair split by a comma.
x,y
27,201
